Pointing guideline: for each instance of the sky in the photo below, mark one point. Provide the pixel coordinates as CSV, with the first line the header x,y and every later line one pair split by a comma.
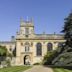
x,y
48,15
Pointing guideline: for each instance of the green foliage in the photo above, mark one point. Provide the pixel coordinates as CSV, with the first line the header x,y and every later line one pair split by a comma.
x,y
49,57
8,62
3,63
3,51
14,52
67,30
15,69
9,55
3,56
64,57
61,70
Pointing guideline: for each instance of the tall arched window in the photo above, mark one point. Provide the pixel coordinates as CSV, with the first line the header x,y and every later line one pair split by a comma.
x,y
39,49
49,47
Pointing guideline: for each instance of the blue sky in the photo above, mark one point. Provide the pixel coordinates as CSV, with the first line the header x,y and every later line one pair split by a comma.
x,y
48,15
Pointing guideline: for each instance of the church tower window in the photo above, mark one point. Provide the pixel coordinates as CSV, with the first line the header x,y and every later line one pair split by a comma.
x,y
26,31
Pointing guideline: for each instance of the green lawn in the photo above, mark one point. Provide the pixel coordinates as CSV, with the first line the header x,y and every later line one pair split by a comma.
x,y
15,69
61,70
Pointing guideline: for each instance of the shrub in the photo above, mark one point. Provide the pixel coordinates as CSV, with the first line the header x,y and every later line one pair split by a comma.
x,y
8,62
64,59
49,57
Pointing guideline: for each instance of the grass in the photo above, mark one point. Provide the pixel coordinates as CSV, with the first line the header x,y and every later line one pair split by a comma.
x,y
15,69
61,70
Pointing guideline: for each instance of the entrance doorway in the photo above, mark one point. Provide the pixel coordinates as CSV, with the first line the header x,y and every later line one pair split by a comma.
x,y
26,60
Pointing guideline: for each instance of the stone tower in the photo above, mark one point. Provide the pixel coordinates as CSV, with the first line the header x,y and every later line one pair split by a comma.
x,y
26,32
26,27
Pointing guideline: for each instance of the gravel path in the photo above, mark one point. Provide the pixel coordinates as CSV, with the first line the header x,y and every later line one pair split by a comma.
x,y
39,69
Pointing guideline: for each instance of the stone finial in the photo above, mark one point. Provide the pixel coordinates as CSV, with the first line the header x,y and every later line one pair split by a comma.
x,y
54,33
22,22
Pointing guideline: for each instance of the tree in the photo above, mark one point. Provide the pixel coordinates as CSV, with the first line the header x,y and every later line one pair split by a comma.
x,y
49,57
5,56
3,53
67,30
65,55
14,52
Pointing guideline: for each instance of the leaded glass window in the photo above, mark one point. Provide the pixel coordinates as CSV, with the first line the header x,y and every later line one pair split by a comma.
x,y
49,46
39,49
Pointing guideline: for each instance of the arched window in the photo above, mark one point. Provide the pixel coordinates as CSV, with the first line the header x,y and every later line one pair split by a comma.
x,y
39,49
49,47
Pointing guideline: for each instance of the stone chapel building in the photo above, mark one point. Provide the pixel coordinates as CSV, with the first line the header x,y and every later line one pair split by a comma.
x,y
30,47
